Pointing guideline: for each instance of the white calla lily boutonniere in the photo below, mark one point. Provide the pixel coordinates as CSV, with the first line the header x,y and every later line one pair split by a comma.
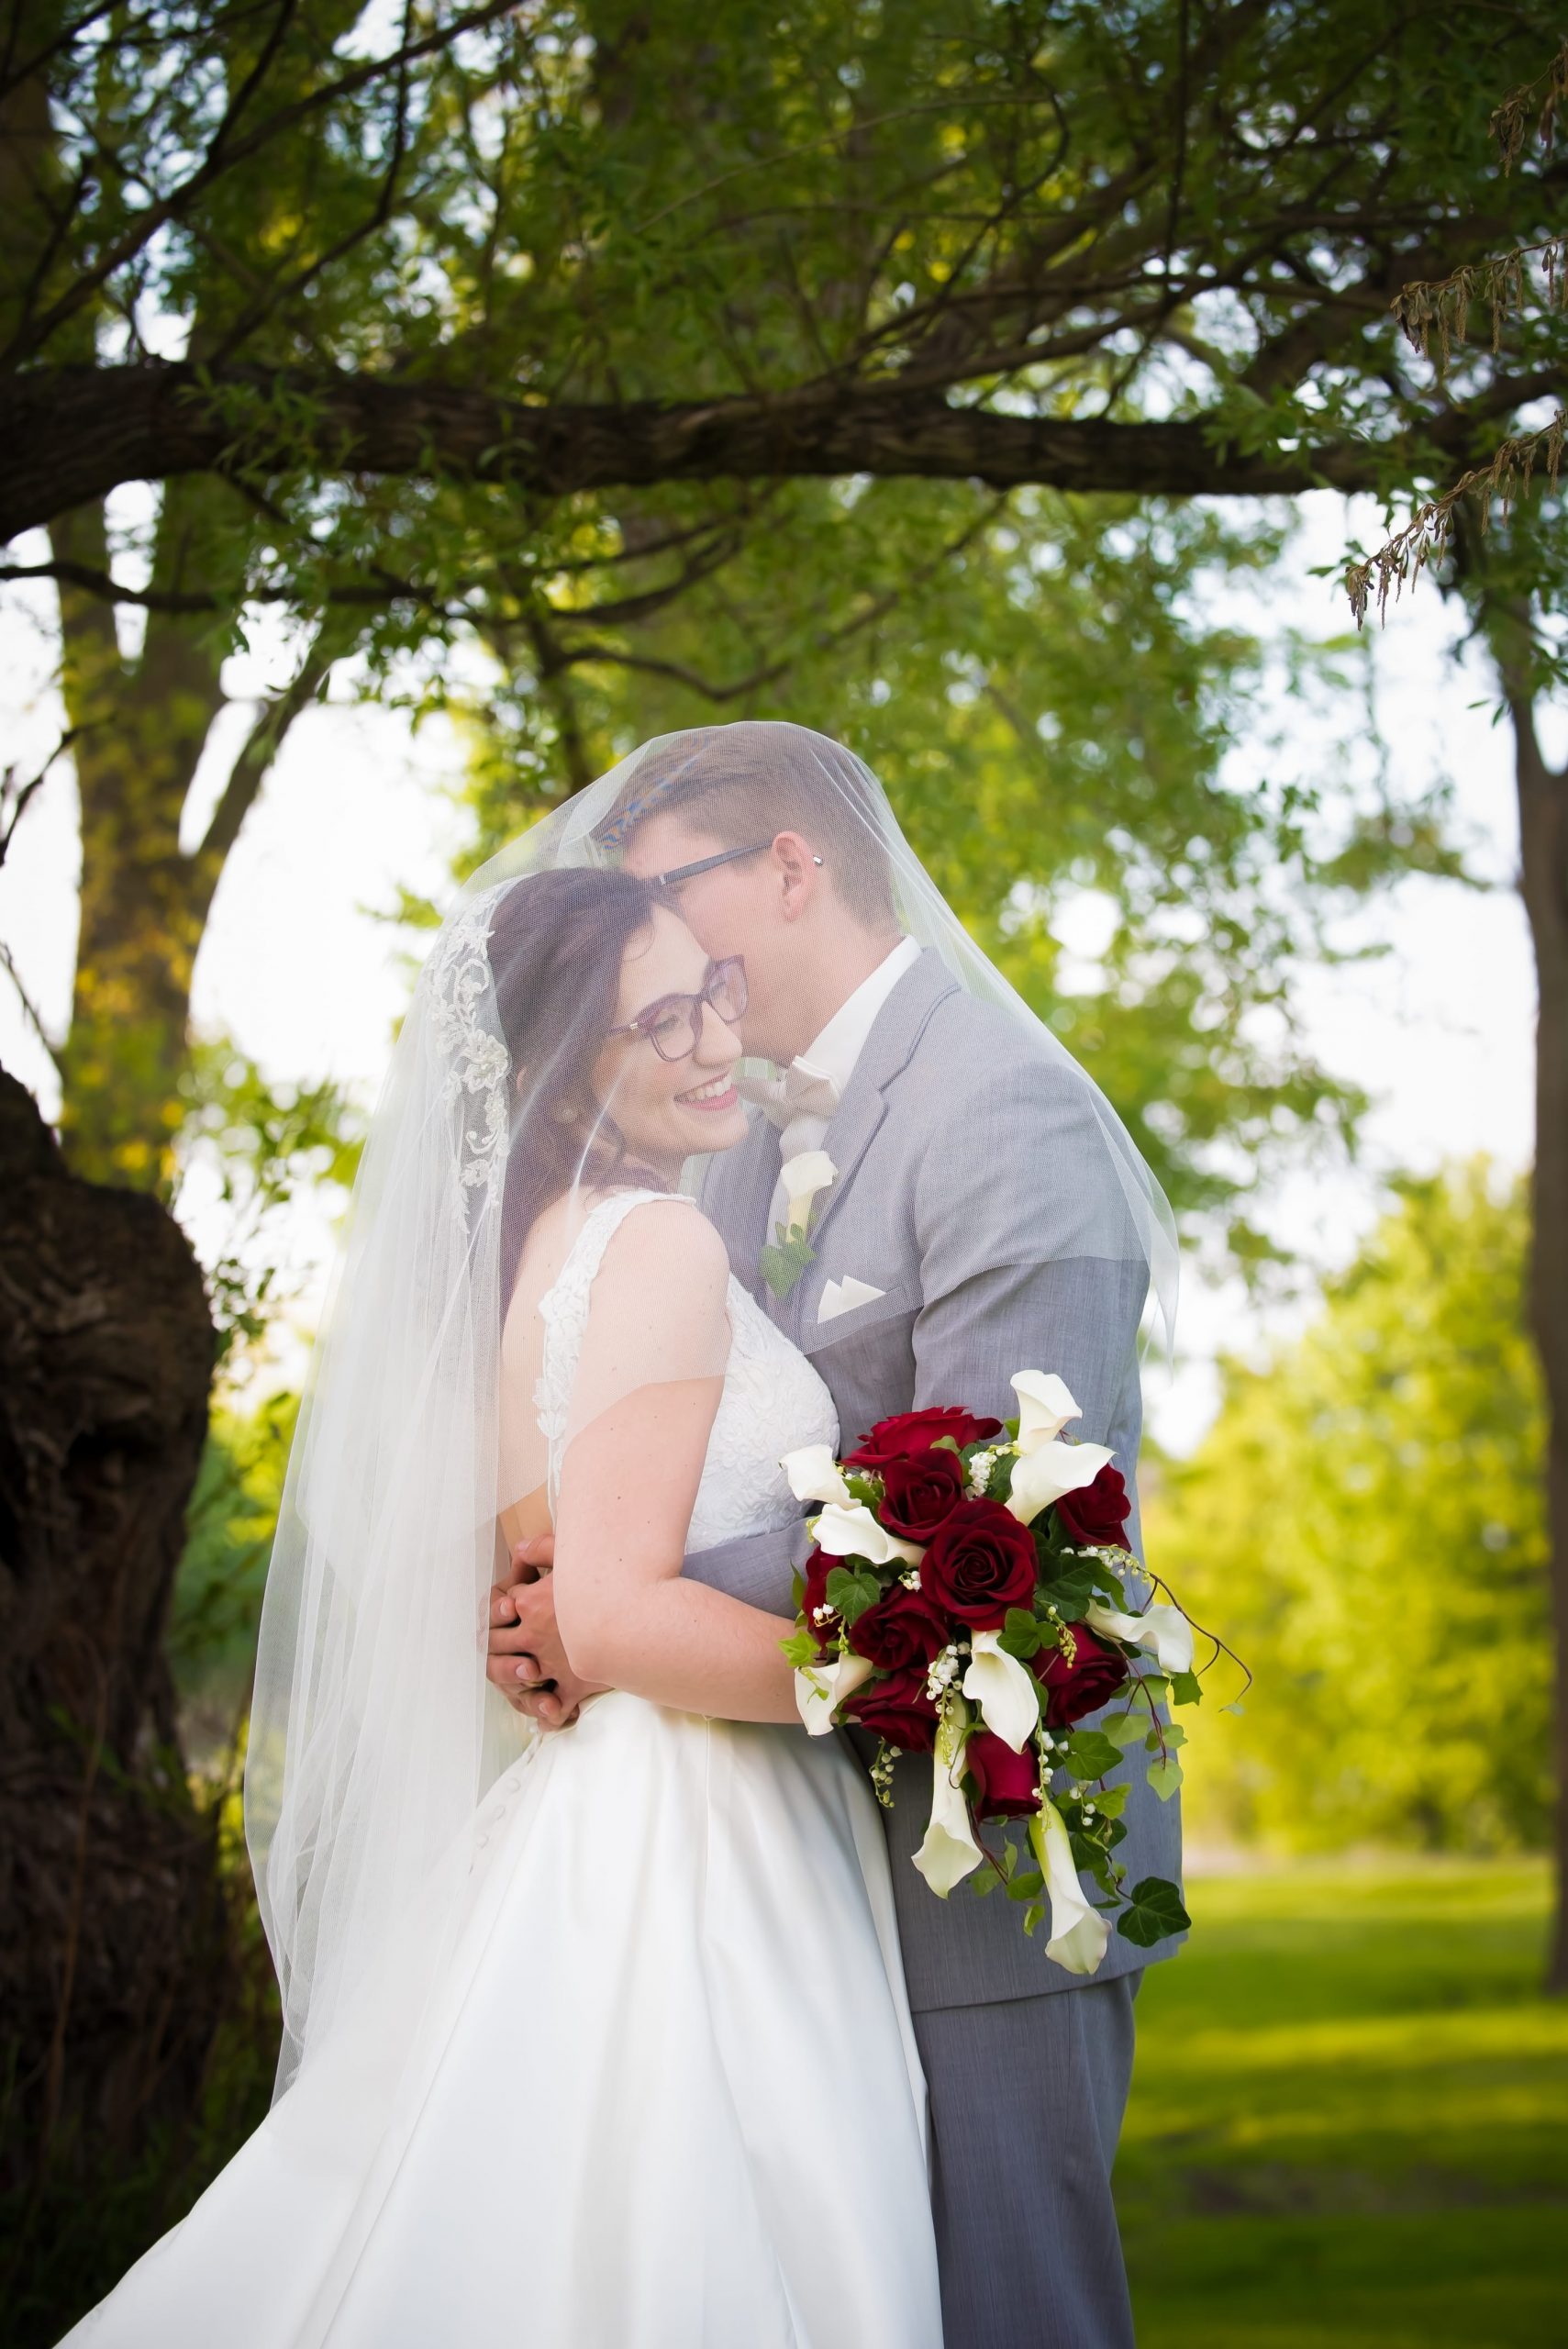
x,y
808,1173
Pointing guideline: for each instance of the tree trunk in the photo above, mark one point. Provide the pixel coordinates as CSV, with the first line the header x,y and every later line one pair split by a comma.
x,y
1543,852
113,1941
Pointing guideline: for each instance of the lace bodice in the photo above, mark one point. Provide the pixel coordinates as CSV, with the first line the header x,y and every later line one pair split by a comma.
x,y
771,1403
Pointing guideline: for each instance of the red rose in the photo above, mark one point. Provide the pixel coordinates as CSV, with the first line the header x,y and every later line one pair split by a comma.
x,y
1091,1680
919,1495
1097,1515
898,1709
1006,1783
901,1629
909,1432
819,1567
982,1562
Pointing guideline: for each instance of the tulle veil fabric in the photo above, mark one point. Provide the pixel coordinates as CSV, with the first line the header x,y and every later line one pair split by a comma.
x,y
373,1731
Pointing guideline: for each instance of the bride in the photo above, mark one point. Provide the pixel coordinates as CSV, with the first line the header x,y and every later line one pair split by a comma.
x,y
601,2038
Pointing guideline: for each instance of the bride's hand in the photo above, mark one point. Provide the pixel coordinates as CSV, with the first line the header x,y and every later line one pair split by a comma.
x,y
526,1662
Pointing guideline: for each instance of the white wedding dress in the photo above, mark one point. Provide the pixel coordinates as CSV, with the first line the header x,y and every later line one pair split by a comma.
x,y
666,2095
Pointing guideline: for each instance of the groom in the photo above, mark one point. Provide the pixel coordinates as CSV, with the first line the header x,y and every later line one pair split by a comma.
x,y
974,1227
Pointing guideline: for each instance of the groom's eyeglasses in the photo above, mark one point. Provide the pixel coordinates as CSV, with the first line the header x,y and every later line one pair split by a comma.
x,y
673,879
673,1025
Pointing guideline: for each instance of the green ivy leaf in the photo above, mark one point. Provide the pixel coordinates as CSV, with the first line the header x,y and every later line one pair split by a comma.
x,y
1090,1753
1111,1801
1025,1886
1154,1911
851,1590
1165,1777
1032,1917
1020,1634
1186,1688
782,1265
1127,1729
799,1651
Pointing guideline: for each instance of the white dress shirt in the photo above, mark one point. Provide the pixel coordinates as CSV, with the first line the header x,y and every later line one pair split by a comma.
x,y
826,1066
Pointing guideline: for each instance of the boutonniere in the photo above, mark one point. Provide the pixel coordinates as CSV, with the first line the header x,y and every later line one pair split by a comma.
x,y
783,1263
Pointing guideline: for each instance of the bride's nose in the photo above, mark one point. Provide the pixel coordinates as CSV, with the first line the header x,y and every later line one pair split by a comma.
x,y
717,1046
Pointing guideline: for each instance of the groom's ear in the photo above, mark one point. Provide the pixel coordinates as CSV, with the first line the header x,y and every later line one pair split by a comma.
x,y
800,871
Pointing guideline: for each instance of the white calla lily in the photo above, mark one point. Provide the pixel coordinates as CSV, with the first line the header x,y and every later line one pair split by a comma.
x,y
821,1686
1079,1934
854,1532
814,1474
1042,1475
1163,1632
950,1851
1006,1694
1045,1406
809,1172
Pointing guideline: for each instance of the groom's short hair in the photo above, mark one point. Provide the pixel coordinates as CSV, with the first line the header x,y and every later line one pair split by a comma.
x,y
746,781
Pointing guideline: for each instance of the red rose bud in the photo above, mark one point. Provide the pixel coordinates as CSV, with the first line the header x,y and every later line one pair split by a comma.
x,y
919,1495
982,1562
901,1629
1097,1518
909,1432
819,1567
1091,1680
898,1709
1006,1785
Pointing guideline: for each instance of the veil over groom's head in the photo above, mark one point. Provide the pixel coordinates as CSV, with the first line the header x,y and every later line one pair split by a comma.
x,y
733,786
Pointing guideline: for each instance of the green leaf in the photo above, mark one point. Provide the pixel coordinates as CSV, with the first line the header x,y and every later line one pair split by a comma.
x,y
1009,1858
1020,1634
1025,1886
1154,1911
1090,1753
798,1590
1186,1688
983,1882
1165,1777
782,1267
852,1590
1032,1917
864,1488
946,1443
1174,1734
1127,1729
799,1649
1110,1800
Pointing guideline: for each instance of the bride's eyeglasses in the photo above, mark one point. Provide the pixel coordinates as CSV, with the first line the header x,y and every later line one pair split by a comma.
x,y
673,1025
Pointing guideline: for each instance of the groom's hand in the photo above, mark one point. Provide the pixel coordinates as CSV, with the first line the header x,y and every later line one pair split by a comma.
x,y
526,1662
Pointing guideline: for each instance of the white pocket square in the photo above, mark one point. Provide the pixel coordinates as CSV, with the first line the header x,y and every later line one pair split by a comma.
x,y
842,1297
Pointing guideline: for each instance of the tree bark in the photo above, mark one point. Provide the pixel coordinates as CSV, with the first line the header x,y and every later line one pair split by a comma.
x,y
1543,855
112,1942
71,434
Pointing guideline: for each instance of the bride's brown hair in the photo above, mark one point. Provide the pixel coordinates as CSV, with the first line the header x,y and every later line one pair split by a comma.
x,y
556,947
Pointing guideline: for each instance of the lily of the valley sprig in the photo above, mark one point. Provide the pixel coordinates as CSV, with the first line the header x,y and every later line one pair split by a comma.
x,y
783,1263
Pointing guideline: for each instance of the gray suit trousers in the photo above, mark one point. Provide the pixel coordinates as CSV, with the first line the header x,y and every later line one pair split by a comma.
x,y
1027,2100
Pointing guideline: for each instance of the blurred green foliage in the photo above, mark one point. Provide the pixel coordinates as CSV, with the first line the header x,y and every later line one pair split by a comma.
x,y
1347,2128
1365,1522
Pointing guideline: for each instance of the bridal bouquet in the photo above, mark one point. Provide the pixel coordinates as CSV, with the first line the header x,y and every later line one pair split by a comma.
x,y
966,1599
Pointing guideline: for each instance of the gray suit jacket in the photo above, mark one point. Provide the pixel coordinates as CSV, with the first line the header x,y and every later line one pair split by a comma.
x,y
972,1189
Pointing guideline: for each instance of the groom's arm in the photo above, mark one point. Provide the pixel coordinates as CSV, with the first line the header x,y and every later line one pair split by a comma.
x,y
1028,1256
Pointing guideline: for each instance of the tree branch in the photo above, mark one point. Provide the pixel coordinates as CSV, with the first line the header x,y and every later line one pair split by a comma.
x,y
69,435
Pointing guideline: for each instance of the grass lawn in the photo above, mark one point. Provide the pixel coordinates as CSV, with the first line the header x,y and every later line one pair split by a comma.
x,y
1349,2118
